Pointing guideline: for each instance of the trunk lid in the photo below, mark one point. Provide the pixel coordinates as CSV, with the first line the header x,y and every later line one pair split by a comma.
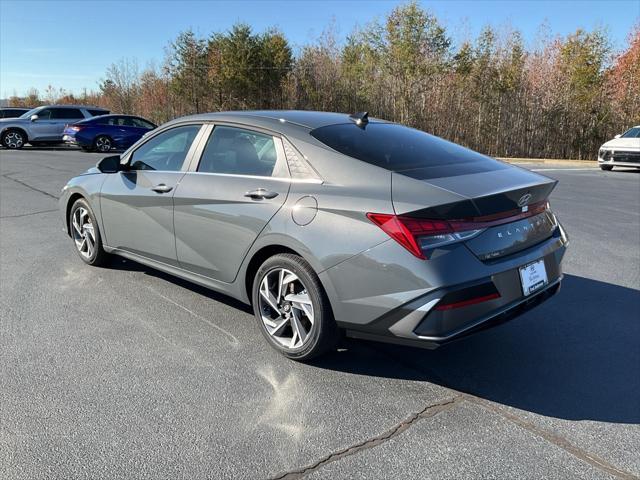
x,y
497,197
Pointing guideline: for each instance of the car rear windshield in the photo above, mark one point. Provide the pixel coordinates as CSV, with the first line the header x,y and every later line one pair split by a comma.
x,y
402,149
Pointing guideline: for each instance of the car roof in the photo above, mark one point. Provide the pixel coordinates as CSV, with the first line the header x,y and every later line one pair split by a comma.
x,y
115,115
285,121
73,106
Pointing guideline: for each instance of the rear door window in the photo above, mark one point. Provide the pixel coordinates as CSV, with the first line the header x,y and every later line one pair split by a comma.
x,y
140,123
66,113
402,149
238,151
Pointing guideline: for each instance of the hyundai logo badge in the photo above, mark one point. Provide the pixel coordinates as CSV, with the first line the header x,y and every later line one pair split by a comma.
x,y
524,200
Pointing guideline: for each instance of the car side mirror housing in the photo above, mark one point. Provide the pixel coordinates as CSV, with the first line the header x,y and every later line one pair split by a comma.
x,y
110,164
34,118
617,136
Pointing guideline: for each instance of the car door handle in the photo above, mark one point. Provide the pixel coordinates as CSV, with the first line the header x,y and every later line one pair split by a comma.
x,y
162,188
260,194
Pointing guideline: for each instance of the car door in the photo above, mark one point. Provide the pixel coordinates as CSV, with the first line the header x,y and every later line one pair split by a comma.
x,y
44,127
227,198
137,203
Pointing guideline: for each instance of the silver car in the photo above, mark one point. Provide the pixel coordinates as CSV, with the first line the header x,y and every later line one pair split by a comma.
x,y
43,124
326,223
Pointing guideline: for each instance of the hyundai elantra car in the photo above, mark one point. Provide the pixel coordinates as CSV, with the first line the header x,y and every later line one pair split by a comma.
x,y
327,224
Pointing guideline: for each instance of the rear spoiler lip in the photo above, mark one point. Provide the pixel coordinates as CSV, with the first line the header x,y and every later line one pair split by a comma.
x,y
489,203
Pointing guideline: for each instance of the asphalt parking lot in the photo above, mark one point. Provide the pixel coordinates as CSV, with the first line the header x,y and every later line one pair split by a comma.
x,y
125,372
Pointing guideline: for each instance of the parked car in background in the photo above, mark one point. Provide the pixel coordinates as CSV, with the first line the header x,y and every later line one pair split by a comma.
x,y
103,133
43,125
12,112
622,151
325,221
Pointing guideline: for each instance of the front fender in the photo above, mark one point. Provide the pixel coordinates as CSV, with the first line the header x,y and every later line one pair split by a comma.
x,y
87,187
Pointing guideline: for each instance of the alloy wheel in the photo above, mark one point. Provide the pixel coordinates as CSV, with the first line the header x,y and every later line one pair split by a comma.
x,y
286,308
103,144
13,140
83,232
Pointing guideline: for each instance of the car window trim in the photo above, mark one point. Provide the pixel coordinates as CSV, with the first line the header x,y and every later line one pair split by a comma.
x,y
281,158
188,157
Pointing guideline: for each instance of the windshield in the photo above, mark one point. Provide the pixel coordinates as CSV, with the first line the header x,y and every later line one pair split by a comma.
x,y
402,149
28,114
631,133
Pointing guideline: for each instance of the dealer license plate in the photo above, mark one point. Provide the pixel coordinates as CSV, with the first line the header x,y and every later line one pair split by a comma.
x,y
533,277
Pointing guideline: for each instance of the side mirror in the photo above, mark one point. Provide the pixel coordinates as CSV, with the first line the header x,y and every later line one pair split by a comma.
x,y
617,136
34,118
110,164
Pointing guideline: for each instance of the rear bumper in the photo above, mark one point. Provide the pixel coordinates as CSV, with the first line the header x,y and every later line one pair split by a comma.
x,y
498,317
392,298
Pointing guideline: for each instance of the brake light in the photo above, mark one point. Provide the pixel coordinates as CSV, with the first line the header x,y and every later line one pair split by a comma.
x,y
394,226
418,234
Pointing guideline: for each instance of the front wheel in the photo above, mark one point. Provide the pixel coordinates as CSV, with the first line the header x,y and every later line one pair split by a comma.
x,y
606,167
103,144
292,309
86,234
13,139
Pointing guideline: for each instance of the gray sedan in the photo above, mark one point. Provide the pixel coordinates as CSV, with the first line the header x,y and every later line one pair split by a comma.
x,y
326,224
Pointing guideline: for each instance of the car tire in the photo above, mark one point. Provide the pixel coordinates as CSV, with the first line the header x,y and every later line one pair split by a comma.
x,y
298,324
103,144
85,234
14,139
606,168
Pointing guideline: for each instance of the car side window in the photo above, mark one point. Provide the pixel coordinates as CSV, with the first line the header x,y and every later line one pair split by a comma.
x,y
166,151
238,151
66,113
44,114
95,113
140,123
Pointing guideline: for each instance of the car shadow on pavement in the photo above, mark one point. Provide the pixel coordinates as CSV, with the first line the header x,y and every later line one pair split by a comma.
x,y
119,263
575,357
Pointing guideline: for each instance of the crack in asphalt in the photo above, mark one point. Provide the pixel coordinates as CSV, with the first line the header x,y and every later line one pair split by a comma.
x,y
6,175
29,214
554,439
427,412
546,435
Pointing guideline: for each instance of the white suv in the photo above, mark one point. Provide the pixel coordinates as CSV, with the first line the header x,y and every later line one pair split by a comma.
x,y
622,151
43,124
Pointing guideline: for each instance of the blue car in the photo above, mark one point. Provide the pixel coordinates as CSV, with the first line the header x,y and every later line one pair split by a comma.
x,y
107,132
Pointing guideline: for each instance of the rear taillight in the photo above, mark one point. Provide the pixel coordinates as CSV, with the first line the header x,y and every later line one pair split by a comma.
x,y
420,234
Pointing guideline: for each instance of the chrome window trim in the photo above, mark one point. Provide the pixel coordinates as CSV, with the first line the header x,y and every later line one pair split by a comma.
x,y
258,177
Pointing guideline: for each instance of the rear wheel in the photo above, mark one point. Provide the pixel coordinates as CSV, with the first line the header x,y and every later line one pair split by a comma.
x,y
103,143
13,139
86,234
292,309
606,167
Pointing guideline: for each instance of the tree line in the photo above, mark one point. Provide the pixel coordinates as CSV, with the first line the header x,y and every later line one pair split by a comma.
x,y
560,98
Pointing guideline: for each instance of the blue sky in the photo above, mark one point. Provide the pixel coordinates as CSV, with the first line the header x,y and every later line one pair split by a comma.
x,y
70,43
